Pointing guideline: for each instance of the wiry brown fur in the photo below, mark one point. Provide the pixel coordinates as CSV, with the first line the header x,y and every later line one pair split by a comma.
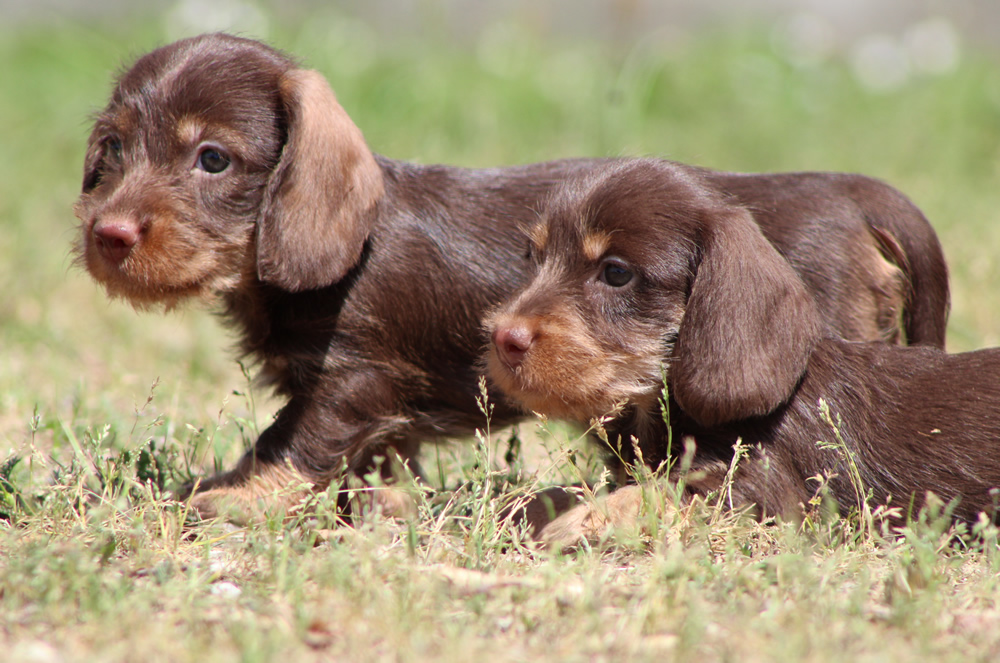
x,y
745,354
358,283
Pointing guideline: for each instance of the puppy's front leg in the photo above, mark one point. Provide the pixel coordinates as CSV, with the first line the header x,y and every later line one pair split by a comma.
x,y
311,442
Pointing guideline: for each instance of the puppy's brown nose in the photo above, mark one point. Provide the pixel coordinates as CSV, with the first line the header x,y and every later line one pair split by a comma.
x,y
115,238
512,343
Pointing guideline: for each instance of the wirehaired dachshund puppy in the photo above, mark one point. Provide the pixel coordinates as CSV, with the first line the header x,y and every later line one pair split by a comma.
x,y
223,170
648,270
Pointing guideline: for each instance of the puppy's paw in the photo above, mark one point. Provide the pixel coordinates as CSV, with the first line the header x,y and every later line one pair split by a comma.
x,y
272,491
597,521
238,506
538,510
387,501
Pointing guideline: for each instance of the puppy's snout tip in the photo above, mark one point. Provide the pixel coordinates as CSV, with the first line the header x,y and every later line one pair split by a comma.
x,y
115,239
512,343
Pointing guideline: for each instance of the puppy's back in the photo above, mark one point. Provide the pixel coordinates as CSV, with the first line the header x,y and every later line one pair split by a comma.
x,y
854,229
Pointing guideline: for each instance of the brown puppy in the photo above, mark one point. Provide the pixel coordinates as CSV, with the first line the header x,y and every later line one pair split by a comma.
x,y
222,169
646,270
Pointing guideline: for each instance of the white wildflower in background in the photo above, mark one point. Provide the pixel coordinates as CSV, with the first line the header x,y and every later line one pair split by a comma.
x,y
192,17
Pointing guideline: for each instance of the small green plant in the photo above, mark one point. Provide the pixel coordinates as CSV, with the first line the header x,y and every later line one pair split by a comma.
x,y
11,500
861,510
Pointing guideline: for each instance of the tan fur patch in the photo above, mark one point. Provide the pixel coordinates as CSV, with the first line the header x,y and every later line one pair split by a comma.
x,y
281,491
598,519
189,130
595,244
331,180
153,274
880,298
538,235
386,501
568,374
276,490
891,294
193,130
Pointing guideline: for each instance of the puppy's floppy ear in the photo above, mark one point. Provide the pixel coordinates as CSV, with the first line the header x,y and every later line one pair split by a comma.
x,y
748,329
317,208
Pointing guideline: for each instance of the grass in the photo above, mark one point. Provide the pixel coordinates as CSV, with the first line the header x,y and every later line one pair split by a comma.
x,y
102,408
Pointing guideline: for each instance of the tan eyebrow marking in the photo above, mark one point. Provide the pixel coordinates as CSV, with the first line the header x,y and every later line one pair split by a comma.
x,y
538,234
595,244
189,130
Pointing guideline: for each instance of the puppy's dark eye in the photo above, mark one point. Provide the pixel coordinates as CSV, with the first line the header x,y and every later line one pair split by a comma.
x,y
616,274
212,160
113,147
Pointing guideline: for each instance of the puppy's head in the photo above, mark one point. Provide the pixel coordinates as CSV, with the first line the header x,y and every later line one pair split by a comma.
x,y
218,160
645,272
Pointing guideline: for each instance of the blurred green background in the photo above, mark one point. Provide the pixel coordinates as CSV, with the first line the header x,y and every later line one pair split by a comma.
x,y
914,101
